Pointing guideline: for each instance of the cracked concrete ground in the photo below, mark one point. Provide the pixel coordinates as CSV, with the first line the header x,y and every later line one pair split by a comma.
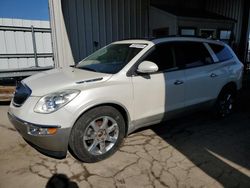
x,y
195,151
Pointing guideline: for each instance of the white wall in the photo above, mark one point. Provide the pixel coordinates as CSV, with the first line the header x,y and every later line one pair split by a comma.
x,y
61,47
20,42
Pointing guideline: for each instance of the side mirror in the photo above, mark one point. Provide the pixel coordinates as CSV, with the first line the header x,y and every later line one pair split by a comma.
x,y
147,67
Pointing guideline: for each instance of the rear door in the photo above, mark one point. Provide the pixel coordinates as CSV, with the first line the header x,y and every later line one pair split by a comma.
x,y
194,58
221,70
205,74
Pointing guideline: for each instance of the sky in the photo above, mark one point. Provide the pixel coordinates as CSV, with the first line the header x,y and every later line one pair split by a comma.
x,y
24,9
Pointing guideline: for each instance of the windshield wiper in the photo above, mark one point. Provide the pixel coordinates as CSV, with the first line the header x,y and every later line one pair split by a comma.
x,y
87,68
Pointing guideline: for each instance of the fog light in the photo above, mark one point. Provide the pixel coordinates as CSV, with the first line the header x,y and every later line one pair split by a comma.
x,y
33,130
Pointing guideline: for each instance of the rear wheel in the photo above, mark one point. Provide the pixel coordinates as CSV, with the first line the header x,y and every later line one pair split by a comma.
x,y
226,102
97,134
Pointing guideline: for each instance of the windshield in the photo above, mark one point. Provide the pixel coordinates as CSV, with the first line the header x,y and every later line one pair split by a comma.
x,y
110,59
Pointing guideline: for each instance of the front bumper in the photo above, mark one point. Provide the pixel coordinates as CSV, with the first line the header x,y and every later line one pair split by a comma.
x,y
51,145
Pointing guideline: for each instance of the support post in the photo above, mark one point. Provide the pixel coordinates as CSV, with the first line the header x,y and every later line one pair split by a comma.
x,y
34,45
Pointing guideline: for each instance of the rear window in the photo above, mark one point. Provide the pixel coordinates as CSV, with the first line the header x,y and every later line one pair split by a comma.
x,y
222,52
191,54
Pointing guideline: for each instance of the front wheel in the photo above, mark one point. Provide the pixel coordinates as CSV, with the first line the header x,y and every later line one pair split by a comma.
x,y
97,134
225,102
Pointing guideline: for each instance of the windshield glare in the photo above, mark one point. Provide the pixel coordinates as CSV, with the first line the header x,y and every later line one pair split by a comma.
x,y
110,59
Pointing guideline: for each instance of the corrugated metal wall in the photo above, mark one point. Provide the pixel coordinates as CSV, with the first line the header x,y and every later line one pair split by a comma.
x,y
20,42
231,9
92,24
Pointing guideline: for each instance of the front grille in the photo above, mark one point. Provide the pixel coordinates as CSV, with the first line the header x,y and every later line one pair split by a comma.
x,y
21,94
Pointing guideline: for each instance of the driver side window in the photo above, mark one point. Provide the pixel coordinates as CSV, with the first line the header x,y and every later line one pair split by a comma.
x,y
162,56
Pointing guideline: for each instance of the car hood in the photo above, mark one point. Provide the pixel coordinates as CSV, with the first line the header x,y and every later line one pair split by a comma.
x,y
64,78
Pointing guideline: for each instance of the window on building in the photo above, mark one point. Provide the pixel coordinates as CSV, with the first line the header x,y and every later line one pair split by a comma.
x,y
208,33
225,35
161,32
187,31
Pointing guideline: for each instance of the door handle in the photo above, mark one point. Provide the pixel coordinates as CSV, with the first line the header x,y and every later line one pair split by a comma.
x,y
213,75
178,82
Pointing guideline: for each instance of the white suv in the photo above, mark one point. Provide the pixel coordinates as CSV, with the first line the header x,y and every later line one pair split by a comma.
x,y
124,86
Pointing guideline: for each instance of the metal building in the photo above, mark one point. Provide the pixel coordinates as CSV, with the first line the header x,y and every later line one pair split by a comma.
x,y
165,20
80,27
235,10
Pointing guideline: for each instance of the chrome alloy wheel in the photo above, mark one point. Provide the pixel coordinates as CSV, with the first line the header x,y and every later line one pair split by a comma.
x,y
101,135
226,104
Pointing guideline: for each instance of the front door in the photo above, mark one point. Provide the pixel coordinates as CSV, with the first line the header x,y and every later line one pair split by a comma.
x,y
160,92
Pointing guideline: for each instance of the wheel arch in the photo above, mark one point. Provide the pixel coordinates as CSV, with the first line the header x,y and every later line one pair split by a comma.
x,y
122,109
230,85
225,109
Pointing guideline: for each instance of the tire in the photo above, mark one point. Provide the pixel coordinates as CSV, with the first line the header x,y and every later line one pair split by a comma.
x,y
225,102
97,134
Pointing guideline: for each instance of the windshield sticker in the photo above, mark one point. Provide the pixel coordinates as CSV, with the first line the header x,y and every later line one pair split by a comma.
x,y
138,46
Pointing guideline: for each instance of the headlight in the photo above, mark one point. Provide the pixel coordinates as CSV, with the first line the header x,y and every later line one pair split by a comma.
x,y
54,101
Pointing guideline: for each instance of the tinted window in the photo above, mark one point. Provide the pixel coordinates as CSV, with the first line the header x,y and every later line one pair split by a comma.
x,y
162,56
191,54
221,52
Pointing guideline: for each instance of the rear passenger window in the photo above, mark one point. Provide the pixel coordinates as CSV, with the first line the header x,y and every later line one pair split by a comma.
x,y
222,52
191,54
162,56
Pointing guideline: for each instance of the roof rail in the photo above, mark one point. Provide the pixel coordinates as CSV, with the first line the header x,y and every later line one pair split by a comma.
x,y
169,36
188,36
